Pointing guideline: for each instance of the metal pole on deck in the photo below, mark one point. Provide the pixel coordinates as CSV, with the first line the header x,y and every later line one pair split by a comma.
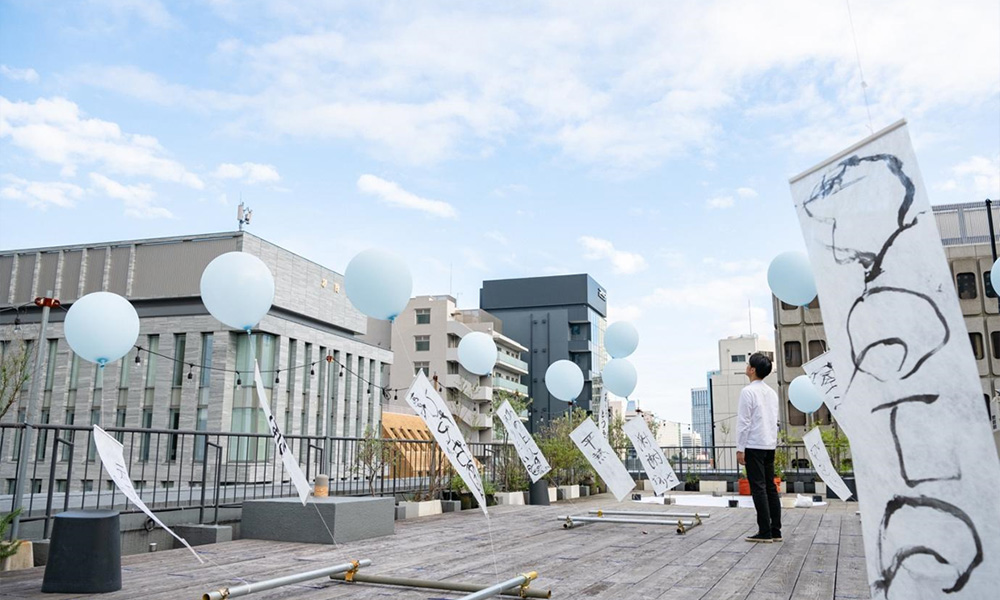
x,y
451,586
270,584
517,582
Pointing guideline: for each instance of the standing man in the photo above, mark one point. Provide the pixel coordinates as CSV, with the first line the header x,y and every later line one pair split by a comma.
x,y
756,439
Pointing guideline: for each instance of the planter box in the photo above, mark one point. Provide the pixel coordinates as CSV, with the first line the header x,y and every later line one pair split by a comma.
x,y
820,488
23,559
553,494
584,490
569,492
514,498
421,509
451,505
711,486
647,485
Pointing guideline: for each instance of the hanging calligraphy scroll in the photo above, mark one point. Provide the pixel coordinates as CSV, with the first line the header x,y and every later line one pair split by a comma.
x,y
280,446
600,455
533,459
911,401
659,471
429,405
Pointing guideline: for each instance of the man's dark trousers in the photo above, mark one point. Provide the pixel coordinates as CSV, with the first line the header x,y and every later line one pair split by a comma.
x,y
760,472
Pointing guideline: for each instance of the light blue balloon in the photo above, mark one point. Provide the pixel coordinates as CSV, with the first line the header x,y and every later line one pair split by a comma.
x,y
564,380
621,339
477,352
619,377
101,327
804,395
378,283
995,276
790,278
238,289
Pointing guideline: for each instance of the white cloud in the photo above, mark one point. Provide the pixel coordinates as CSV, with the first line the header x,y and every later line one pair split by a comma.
x,y
626,312
981,175
138,199
659,81
720,202
14,74
54,131
497,237
41,194
390,193
248,172
623,262
745,192
150,11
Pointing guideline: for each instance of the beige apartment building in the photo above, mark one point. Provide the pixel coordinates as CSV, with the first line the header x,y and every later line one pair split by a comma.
x,y
965,235
425,336
730,379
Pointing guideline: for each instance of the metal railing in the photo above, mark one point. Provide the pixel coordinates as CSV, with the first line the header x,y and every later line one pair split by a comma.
x,y
205,470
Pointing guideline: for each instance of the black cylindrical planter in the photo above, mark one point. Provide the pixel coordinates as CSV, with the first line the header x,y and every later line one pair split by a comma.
x,y
538,494
85,553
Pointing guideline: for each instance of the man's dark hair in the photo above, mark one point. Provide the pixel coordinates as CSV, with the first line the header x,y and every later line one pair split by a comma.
x,y
761,364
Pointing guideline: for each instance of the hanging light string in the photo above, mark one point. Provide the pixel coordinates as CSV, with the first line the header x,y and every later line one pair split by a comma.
x,y
384,390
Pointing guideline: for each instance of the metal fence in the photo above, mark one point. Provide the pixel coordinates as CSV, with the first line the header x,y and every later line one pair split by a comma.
x,y
174,469
182,469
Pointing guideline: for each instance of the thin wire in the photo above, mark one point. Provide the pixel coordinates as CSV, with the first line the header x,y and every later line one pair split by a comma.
x,y
857,54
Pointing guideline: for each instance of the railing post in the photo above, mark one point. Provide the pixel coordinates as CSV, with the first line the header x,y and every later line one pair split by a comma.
x,y
51,490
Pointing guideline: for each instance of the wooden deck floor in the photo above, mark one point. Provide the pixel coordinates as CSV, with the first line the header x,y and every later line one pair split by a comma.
x,y
821,558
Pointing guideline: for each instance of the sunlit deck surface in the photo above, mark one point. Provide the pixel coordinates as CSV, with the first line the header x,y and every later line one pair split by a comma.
x,y
822,557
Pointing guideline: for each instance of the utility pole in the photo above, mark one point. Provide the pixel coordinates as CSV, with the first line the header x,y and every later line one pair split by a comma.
x,y
27,434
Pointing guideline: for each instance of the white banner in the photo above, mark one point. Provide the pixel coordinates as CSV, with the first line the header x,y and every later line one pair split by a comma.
x,y
281,448
820,372
655,463
533,459
110,451
427,403
597,450
824,466
911,401
602,413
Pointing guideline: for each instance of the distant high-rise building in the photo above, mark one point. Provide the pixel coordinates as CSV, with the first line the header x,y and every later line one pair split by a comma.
x,y
729,381
701,414
557,318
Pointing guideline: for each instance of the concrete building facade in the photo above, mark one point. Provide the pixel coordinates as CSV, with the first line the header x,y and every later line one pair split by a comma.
x,y
965,235
727,383
192,372
425,336
562,317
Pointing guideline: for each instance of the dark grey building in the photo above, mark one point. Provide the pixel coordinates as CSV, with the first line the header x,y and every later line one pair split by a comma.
x,y
556,318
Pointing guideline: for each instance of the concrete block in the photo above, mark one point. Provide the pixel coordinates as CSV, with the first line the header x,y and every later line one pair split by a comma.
x,y
400,513
584,490
421,509
40,549
553,494
570,492
513,498
451,506
647,485
200,535
707,486
286,520
22,559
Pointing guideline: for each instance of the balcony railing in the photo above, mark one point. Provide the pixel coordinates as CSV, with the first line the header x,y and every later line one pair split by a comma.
x,y
514,363
500,382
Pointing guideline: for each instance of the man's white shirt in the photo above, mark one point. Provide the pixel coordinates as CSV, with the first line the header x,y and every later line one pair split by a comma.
x,y
757,418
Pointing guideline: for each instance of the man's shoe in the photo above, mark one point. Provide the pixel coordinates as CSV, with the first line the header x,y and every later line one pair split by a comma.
x,y
759,539
776,538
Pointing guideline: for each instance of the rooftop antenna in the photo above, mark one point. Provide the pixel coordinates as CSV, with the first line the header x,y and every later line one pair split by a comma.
x,y
750,316
243,213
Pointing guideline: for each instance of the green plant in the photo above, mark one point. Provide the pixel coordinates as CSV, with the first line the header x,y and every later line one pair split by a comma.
x,y
488,488
374,456
457,484
8,549
15,371
692,479
839,448
564,457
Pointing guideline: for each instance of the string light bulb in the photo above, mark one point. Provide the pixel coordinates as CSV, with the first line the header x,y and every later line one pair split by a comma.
x,y
239,380
17,323
191,371
138,360
312,371
277,376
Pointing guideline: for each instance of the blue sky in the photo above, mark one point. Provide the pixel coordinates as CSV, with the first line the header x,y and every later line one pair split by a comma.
x,y
648,144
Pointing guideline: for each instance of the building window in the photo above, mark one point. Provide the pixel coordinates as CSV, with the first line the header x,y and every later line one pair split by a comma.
x,y
452,367
995,342
147,423
787,306
453,340
966,286
988,285
87,485
422,343
738,358
814,305
816,347
421,366
173,422
793,354
977,345
423,316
